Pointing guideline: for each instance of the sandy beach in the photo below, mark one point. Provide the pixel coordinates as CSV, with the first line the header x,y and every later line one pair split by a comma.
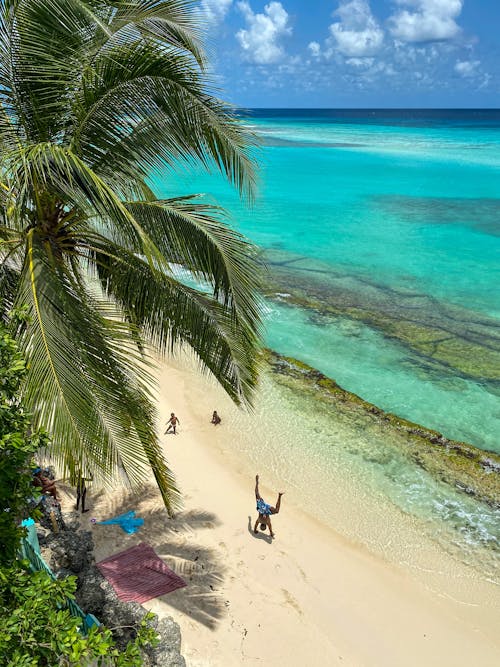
x,y
310,597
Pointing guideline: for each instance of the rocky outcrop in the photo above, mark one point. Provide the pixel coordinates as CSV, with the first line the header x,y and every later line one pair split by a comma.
x,y
71,552
470,470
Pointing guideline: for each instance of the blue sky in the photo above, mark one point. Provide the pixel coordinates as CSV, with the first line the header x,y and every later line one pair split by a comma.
x,y
356,53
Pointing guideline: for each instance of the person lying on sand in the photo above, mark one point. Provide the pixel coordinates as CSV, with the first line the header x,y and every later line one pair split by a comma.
x,y
265,510
172,423
215,418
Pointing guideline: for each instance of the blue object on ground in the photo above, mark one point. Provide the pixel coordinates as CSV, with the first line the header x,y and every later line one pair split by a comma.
x,y
27,522
128,522
31,535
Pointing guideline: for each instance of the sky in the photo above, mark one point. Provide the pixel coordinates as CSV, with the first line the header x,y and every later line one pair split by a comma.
x,y
355,53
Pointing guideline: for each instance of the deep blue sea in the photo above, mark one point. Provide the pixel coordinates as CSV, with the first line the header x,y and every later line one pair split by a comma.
x,y
381,230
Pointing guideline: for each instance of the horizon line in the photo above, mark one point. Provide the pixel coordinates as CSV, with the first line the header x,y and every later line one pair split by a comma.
x,y
377,108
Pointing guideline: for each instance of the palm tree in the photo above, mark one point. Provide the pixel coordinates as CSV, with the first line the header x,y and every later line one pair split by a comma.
x,y
96,96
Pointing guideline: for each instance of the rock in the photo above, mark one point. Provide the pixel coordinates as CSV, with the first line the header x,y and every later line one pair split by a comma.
x,y
490,466
167,653
71,552
123,617
90,593
42,534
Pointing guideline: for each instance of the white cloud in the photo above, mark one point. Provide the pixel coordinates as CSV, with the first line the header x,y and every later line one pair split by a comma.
x,y
214,11
417,49
360,62
426,21
315,49
358,33
261,39
467,68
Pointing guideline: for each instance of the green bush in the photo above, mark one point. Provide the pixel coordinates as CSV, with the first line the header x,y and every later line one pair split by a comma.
x,y
17,446
36,630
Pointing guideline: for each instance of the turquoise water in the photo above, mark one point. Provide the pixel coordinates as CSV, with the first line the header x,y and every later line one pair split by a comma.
x,y
390,226
356,477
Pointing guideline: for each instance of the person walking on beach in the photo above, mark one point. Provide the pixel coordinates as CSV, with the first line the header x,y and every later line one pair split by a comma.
x,y
172,424
265,510
215,419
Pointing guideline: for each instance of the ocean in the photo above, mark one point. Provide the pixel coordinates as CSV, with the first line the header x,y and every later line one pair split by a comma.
x,y
381,233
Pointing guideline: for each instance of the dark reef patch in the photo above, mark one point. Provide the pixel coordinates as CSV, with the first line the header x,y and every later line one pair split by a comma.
x,y
480,214
439,337
470,470
278,142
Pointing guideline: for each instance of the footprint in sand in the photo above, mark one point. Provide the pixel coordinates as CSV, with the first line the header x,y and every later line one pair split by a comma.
x,y
290,600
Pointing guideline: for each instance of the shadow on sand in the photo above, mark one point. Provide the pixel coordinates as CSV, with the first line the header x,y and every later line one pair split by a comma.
x,y
174,540
258,536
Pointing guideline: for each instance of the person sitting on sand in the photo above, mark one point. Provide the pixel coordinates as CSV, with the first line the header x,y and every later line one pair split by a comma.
x,y
172,424
47,486
265,510
215,418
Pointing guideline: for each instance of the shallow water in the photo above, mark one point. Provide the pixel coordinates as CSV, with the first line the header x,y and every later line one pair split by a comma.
x,y
384,229
357,479
391,376
382,236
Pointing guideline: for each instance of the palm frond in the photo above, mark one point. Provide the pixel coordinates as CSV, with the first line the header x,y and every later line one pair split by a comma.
x,y
60,172
170,313
167,21
96,96
142,108
84,385
193,235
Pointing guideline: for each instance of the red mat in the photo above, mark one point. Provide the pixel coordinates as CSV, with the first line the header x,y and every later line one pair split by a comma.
x,y
137,574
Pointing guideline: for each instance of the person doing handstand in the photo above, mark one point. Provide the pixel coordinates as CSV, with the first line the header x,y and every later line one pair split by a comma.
x,y
265,510
172,423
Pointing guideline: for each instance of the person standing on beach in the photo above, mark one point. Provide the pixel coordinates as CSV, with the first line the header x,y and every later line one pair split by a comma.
x,y
81,491
172,424
215,419
265,510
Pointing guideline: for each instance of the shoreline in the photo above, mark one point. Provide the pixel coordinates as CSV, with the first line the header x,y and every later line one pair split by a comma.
x,y
312,596
468,468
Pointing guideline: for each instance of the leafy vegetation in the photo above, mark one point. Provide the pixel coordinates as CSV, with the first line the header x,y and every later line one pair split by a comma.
x,y
37,630
95,97
17,446
35,627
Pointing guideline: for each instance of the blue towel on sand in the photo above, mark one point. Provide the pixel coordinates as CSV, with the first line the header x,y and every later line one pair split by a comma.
x,y
128,522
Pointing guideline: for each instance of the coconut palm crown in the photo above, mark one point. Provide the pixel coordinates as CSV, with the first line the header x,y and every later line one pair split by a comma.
x,y
95,97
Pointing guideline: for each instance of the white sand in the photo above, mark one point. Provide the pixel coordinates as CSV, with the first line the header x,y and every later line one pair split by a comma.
x,y
309,598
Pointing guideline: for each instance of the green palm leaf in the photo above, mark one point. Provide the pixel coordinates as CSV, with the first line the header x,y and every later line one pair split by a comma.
x,y
95,96
169,313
